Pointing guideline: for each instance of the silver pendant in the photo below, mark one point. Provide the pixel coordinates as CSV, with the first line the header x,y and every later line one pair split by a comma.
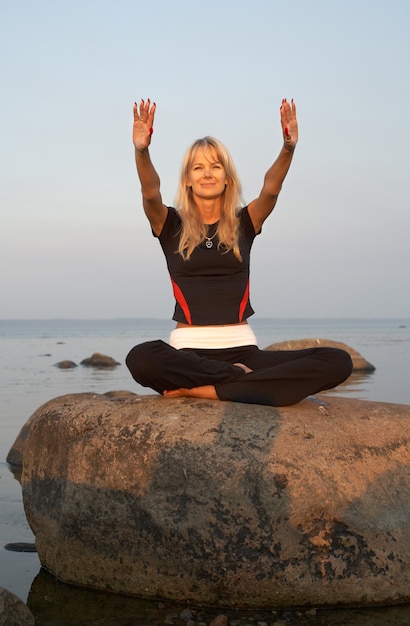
x,y
209,243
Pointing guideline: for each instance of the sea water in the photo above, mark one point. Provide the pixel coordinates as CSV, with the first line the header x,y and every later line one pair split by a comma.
x,y
30,350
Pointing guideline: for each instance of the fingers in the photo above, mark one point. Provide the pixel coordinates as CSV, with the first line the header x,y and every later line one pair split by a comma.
x,y
144,112
284,108
151,115
288,110
288,113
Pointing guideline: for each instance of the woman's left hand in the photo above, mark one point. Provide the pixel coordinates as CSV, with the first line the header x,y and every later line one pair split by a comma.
x,y
289,123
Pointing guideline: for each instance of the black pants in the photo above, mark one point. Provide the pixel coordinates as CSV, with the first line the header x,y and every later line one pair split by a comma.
x,y
279,378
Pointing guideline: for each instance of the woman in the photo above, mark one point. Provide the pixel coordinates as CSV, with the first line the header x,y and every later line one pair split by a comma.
x,y
207,241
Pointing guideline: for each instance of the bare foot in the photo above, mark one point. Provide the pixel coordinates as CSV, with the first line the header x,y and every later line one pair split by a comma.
x,y
245,368
207,391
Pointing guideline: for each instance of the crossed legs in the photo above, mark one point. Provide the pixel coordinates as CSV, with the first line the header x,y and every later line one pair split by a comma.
x,y
244,374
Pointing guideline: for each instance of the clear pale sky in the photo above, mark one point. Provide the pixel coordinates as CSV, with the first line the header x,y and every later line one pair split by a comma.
x,y
74,240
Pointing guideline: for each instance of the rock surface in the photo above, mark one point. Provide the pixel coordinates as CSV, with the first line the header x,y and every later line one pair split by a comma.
x,y
13,611
359,363
221,503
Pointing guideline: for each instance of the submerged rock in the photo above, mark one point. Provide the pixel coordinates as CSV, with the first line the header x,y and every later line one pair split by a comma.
x,y
221,503
359,363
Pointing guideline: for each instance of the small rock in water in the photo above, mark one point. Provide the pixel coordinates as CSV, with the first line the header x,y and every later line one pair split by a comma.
x,y
99,360
21,547
66,365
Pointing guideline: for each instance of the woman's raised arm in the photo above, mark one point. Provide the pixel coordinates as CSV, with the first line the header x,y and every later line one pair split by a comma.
x,y
261,207
154,208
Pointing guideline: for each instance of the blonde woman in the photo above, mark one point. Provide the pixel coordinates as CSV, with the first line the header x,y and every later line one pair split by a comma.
x,y
207,239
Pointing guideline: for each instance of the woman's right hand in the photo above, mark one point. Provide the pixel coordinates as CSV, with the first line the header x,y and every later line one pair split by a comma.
x,y
143,124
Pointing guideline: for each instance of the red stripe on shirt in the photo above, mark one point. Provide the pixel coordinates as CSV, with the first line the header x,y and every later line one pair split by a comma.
x,y
244,302
179,297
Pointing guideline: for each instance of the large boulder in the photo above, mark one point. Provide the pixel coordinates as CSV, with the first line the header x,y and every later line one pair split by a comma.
x,y
222,503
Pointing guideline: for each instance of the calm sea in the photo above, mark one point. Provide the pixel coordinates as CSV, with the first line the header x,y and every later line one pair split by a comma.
x,y
29,351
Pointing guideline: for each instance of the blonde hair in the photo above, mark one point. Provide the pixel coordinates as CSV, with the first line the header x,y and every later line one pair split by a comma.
x,y
193,231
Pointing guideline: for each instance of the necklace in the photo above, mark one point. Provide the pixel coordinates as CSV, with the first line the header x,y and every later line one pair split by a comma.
x,y
209,243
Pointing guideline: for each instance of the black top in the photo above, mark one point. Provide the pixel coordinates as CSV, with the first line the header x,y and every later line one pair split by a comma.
x,y
212,287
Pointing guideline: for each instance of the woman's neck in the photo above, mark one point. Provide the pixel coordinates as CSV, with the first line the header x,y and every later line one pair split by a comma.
x,y
209,209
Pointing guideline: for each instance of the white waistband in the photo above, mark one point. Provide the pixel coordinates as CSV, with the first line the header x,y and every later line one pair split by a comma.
x,y
212,337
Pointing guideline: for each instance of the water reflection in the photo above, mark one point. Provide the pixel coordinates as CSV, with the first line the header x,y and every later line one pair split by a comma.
x,y
356,386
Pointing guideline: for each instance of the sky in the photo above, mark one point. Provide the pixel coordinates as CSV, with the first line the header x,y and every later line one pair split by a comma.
x,y
74,242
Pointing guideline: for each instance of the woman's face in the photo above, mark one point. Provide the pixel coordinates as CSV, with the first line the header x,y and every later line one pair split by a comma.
x,y
206,175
